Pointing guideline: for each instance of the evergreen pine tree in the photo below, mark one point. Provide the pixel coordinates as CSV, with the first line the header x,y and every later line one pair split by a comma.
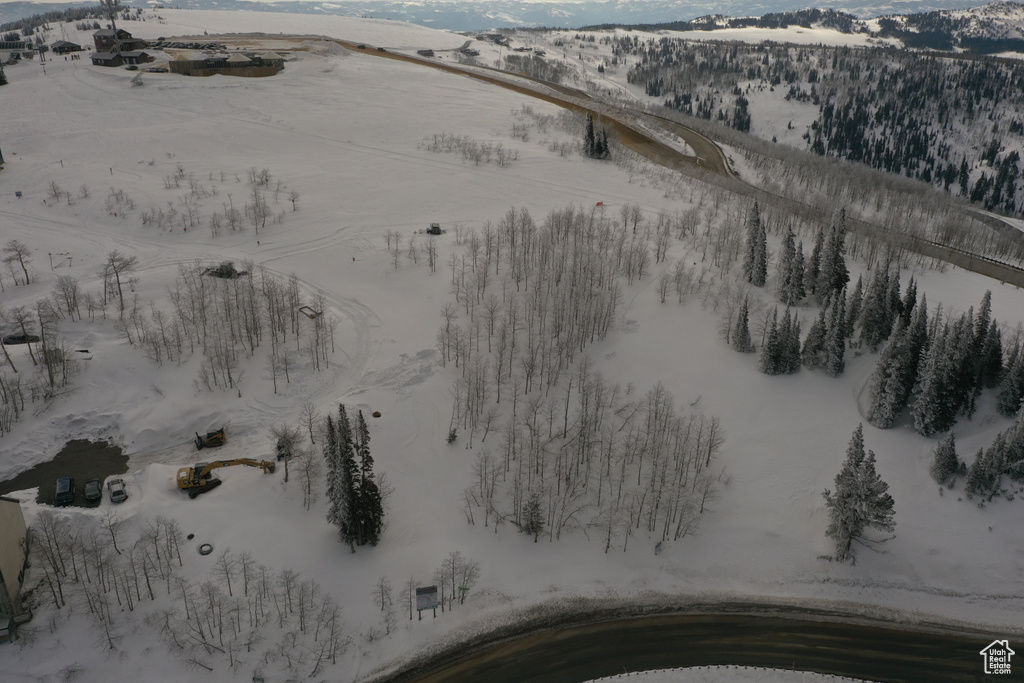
x,y
946,463
784,268
853,306
741,333
348,477
813,270
799,287
873,312
887,384
371,510
589,141
909,302
894,304
755,259
533,516
861,500
990,360
605,151
3,76
768,361
1011,387
332,456
928,407
978,477
791,350
835,336
813,354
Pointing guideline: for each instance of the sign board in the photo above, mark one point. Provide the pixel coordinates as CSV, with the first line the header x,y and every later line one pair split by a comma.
x,y
426,598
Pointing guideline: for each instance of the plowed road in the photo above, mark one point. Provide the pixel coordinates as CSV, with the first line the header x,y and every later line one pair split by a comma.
x,y
634,130
585,652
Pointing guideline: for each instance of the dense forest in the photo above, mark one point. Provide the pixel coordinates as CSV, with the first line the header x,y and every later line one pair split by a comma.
x,y
954,123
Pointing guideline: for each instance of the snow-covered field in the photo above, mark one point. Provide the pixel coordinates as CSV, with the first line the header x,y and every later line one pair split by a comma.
x,y
344,130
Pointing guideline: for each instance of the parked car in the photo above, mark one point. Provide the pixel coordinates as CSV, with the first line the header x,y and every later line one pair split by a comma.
x,y
93,491
12,339
380,49
65,491
434,229
132,67
361,46
116,490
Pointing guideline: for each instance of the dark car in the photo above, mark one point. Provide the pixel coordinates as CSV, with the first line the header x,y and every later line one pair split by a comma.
x,y
116,490
12,339
434,229
380,49
93,491
361,46
132,67
65,491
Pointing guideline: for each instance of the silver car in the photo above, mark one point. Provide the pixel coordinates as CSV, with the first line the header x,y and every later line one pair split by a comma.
x,y
117,490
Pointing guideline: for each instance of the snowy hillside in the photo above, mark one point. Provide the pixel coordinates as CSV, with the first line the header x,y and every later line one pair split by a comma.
x,y
361,153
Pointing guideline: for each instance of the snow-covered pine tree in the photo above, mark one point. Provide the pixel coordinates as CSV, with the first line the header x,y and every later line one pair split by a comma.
x,y
371,509
768,361
589,141
909,302
789,344
813,354
853,306
927,408
833,274
860,501
1011,387
873,312
784,267
348,477
894,304
813,270
888,390
946,464
332,456
755,258
741,332
533,516
835,336
990,360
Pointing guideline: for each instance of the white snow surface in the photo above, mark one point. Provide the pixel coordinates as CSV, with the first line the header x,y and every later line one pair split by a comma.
x,y
344,129
722,674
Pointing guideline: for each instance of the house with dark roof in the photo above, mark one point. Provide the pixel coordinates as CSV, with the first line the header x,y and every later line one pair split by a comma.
x,y
109,40
63,47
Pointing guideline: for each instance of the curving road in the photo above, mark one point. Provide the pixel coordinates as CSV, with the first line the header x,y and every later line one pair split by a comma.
x,y
873,651
635,130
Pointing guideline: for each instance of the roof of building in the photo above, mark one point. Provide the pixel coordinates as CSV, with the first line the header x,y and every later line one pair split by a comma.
x,y
238,59
270,55
64,43
104,55
133,53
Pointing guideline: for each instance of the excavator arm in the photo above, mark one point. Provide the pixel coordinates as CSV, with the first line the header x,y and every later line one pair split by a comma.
x,y
198,479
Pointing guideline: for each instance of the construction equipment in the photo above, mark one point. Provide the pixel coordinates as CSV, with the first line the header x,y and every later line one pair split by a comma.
x,y
211,440
198,479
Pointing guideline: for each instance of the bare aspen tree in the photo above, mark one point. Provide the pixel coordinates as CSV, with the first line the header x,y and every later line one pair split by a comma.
x,y
17,252
310,417
120,267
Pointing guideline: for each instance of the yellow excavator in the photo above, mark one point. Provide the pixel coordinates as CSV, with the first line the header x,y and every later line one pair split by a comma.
x,y
198,479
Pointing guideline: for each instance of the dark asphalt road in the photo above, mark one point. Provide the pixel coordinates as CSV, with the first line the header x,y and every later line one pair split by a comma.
x,y
585,652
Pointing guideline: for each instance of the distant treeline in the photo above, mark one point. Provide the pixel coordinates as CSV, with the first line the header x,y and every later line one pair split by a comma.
x,y
927,30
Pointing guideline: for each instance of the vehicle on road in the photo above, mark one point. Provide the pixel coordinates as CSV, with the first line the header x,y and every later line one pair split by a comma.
x,y
116,490
65,491
434,229
380,49
361,46
93,491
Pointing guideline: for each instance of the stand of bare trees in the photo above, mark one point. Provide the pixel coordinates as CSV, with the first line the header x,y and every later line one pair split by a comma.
x,y
243,615
228,319
575,451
